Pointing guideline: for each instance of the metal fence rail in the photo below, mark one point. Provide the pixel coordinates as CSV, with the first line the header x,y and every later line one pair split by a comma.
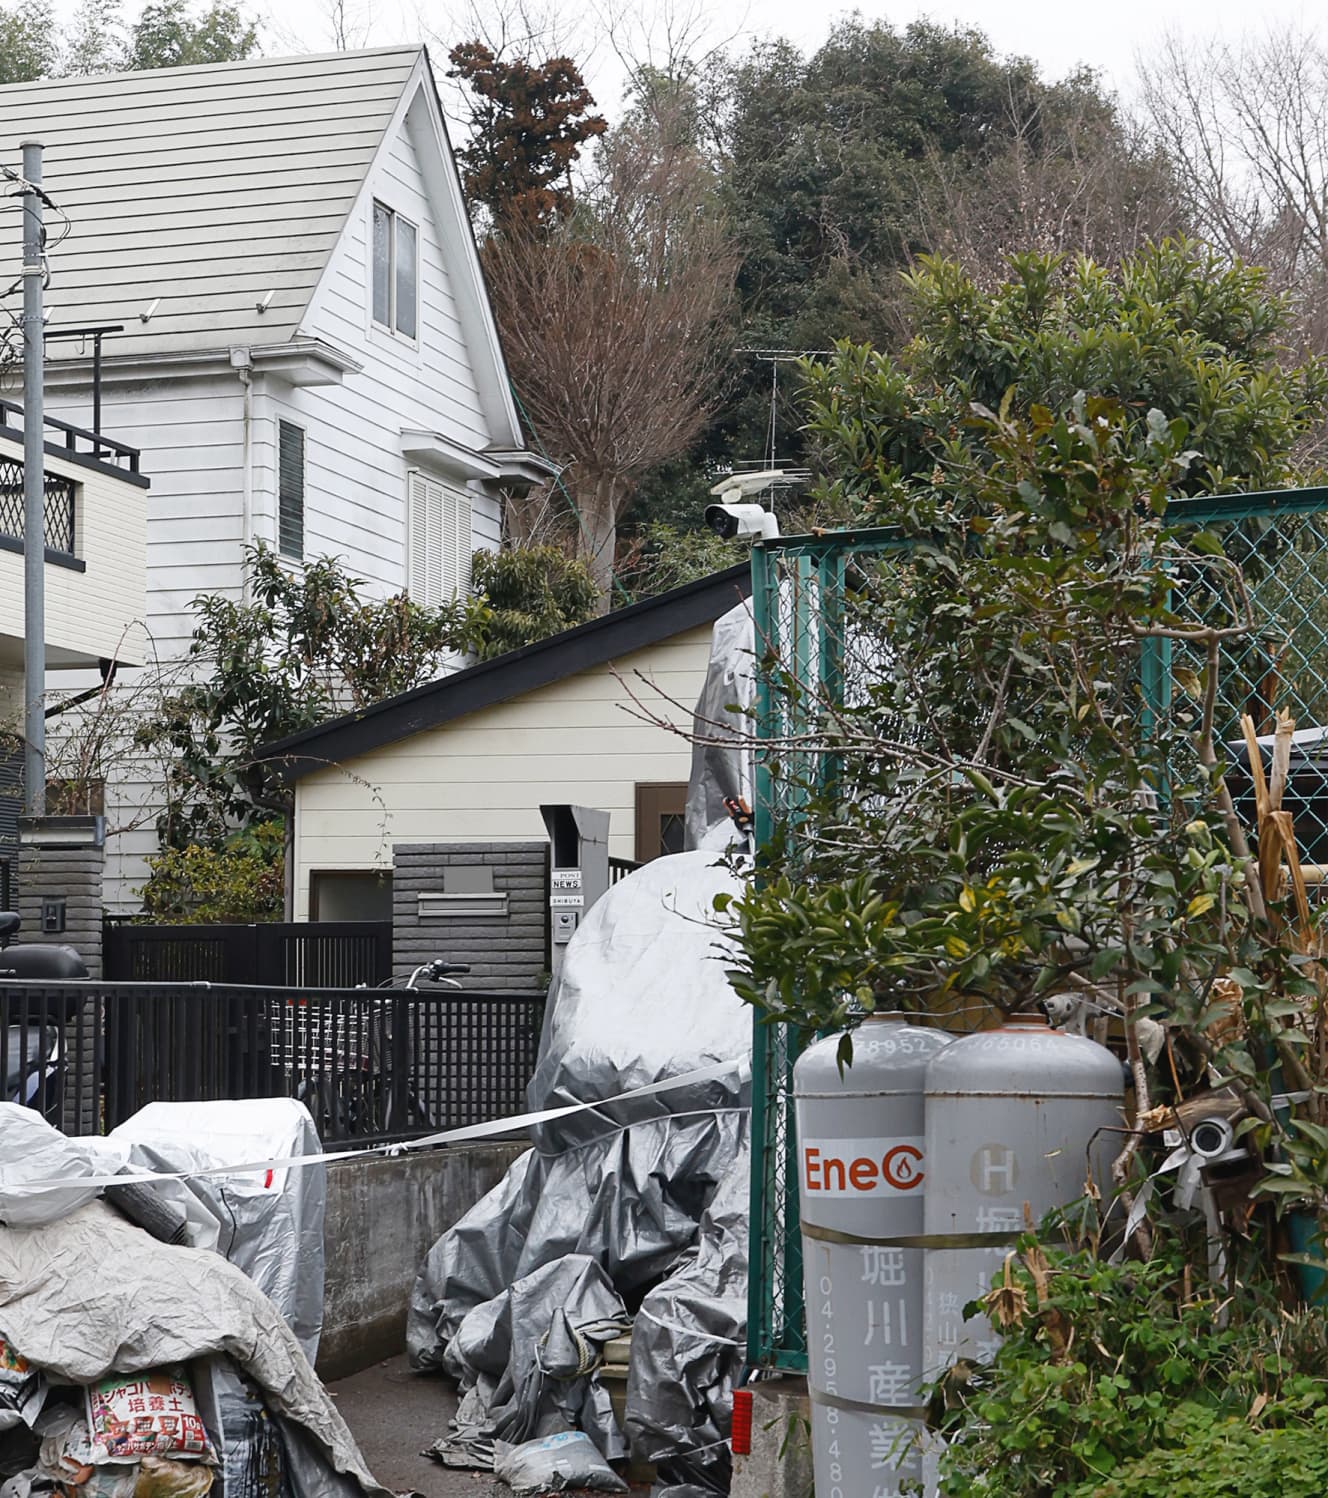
x,y
298,954
372,1065
813,609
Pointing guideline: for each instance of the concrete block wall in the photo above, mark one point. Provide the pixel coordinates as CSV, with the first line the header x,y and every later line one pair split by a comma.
x,y
504,952
383,1215
780,1463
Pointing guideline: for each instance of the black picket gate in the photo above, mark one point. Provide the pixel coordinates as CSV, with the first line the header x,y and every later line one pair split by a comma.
x,y
283,954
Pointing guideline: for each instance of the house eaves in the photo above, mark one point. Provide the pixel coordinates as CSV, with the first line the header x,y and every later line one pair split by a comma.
x,y
507,676
302,361
436,453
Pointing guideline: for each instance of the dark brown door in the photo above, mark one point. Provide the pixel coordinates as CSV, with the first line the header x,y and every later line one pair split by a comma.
x,y
659,818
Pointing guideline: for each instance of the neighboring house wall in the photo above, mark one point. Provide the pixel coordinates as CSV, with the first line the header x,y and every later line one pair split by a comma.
x,y
94,610
581,740
190,432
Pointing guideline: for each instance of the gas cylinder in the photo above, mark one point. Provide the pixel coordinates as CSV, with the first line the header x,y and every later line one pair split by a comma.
x,y
1016,1118
862,1175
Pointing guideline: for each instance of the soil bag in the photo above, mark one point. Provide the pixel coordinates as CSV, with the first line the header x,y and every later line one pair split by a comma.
x,y
553,1464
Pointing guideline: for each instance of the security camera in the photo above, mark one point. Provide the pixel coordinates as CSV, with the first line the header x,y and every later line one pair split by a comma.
x,y
740,521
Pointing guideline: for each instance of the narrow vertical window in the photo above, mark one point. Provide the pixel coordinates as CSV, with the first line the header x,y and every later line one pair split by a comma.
x,y
407,278
396,272
382,265
290,489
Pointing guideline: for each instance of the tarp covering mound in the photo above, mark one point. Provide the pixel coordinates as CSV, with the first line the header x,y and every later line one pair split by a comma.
x,y
623,1189
85,1293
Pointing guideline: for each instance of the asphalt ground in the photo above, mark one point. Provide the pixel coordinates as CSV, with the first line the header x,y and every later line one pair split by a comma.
x,y
395,1414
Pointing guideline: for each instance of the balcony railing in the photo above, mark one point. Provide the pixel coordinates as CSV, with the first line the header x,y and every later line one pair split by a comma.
x,y
76,443
60,492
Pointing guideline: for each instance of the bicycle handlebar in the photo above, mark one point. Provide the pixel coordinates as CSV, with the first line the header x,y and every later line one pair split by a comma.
x,y
438,971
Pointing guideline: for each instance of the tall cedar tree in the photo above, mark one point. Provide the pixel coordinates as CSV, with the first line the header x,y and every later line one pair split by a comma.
x,y
528,122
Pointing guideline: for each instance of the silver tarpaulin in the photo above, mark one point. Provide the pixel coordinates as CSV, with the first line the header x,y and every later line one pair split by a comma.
x,y
624,1188
694,1326
722,757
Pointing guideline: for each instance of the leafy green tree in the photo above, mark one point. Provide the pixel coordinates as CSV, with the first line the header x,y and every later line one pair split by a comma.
x,y
983,836
663,556
529,593
528,123
302,649
842,166
167,35
93,41
1174,326
28,42
239,882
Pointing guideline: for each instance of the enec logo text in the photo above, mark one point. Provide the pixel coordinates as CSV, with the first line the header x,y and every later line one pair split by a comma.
x,y
897,1169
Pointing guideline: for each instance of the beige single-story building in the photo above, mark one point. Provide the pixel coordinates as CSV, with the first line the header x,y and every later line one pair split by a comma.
x,y
472,757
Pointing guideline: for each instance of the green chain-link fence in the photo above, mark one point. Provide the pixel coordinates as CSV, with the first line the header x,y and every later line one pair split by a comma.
x,y
806,592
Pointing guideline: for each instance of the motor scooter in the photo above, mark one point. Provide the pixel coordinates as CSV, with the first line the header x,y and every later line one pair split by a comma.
x,y
32,1018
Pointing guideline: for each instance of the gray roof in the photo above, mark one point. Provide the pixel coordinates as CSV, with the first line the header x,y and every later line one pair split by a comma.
x,y
205,187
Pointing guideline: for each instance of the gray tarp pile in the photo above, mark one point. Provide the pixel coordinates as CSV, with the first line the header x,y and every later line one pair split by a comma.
x,y
271,1224
85,1293
605,1212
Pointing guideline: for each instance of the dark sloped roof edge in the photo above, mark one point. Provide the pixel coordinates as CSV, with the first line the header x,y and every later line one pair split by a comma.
x,y
506,676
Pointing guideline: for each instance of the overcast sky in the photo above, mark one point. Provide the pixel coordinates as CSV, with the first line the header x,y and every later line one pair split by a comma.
x,y
1059,35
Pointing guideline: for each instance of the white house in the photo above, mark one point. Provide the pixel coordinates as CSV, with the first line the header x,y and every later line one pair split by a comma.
x,y
95,577
305,352
474,756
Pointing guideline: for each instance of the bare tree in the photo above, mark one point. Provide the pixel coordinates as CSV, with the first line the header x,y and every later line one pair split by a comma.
x,y
1247,126
1070,174
615,323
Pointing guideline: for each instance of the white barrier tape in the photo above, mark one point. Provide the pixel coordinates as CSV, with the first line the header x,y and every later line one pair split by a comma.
x,y
742,1069
689,1331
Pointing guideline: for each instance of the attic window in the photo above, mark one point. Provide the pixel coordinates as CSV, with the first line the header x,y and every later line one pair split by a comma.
x,y
395,271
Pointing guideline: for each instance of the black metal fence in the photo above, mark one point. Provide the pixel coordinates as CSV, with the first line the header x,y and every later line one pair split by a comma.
x,y
288,954
371,1065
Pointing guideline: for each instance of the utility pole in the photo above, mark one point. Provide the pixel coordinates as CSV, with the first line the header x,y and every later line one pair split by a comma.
x,y
34,492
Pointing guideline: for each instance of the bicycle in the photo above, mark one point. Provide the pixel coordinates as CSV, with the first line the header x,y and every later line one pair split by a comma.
x,y
417,1113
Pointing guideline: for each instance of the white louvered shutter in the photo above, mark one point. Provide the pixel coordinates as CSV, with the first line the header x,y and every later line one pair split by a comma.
x,y
438,542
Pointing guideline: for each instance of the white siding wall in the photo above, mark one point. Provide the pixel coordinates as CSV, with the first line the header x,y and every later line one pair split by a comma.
x,y
355,504
485,776
191,434
98,611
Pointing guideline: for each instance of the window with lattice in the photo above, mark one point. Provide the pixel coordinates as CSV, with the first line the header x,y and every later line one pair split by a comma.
x,y
438,541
